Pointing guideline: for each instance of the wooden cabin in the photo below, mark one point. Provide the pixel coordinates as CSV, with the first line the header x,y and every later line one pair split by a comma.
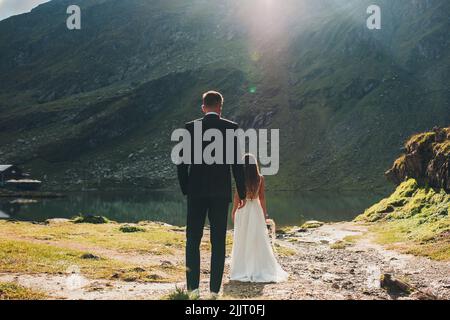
x,y
9,172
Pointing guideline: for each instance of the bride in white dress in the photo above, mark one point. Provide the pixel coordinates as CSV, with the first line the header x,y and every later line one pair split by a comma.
x,y
252,258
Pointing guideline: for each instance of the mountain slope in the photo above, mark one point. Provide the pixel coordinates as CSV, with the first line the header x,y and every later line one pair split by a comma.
x,y
96,107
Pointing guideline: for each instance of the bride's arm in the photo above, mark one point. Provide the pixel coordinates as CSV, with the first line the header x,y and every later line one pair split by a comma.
x,y
262,198
235,205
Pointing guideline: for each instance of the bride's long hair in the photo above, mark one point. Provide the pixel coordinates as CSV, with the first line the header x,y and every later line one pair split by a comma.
x,y
252,175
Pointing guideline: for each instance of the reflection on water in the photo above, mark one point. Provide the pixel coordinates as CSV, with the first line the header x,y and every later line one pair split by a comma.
x,y
3,215
287,208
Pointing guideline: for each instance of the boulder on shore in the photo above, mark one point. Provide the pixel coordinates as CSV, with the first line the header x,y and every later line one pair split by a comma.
x,y
426,159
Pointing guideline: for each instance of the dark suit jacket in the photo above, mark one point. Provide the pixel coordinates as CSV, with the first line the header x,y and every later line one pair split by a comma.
x,y
212,181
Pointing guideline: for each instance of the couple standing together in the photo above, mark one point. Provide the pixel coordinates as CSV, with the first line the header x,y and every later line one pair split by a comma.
x,y
208,191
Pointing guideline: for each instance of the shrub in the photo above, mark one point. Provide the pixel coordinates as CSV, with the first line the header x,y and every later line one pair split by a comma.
x,y
130,229
91,219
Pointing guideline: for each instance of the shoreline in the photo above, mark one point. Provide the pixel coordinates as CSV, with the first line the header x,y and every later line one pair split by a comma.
x,y
176,188
61,193
31,194
146,261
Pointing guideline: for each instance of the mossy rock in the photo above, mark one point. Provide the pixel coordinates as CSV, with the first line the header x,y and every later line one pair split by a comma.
x,y
407,200
154,277
285,230
406,189
90,256
138,269
442,148
398,202
91,219
387,209
420,141
339,245
425,205
312,224
131,229
395,286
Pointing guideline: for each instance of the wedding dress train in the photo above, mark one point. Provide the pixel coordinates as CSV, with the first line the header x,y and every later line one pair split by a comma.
x,y
252,258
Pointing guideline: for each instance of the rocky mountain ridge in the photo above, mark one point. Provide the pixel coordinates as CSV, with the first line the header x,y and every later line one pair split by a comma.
x,y
94,108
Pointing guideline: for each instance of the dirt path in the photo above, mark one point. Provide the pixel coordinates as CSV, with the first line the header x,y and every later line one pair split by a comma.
x,y
317,271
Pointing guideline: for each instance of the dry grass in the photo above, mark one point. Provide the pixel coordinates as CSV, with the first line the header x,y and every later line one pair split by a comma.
x,y
54,248
12,291
154,239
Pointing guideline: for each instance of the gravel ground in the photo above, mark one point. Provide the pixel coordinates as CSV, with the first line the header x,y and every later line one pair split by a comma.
x,y
318,268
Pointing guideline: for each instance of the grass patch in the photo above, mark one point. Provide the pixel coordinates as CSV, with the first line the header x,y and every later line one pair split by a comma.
x,y
413,220
131,229
178,294
148,274
312,224
352,239
157,239
413,237
26,257
33,258
285,230
12,291
345,242
339,245
284,251
53,248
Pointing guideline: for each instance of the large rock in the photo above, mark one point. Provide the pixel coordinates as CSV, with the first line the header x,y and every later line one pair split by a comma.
x,y
427,160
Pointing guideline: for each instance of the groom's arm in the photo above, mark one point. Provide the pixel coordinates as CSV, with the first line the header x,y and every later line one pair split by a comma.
x,y
183,174
238,170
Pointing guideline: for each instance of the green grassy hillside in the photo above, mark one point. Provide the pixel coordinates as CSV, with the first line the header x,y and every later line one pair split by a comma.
x,y
96,107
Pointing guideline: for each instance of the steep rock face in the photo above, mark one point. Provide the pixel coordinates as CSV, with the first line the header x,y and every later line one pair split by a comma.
x,y
427,159
98,105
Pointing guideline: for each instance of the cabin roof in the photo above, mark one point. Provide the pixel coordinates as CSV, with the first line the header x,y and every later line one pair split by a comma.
x,y
4,167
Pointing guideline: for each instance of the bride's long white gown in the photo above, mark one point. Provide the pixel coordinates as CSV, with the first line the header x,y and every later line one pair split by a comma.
x,y
252,258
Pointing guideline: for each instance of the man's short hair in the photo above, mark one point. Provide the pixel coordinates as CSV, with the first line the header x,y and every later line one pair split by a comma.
x,y
212,98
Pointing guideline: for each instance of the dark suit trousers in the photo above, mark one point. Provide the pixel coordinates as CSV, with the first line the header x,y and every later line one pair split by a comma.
x,y
217,212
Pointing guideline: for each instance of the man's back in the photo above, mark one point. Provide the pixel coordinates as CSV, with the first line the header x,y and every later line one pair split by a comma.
x,y
212,180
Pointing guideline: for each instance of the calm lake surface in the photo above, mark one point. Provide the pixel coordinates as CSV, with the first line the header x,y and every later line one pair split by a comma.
x,y
286,208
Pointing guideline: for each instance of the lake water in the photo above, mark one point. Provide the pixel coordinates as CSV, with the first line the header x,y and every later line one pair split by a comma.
x,y
286,208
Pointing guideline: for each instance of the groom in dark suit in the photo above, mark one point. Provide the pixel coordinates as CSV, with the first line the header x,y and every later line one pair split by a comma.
x,y
208,191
